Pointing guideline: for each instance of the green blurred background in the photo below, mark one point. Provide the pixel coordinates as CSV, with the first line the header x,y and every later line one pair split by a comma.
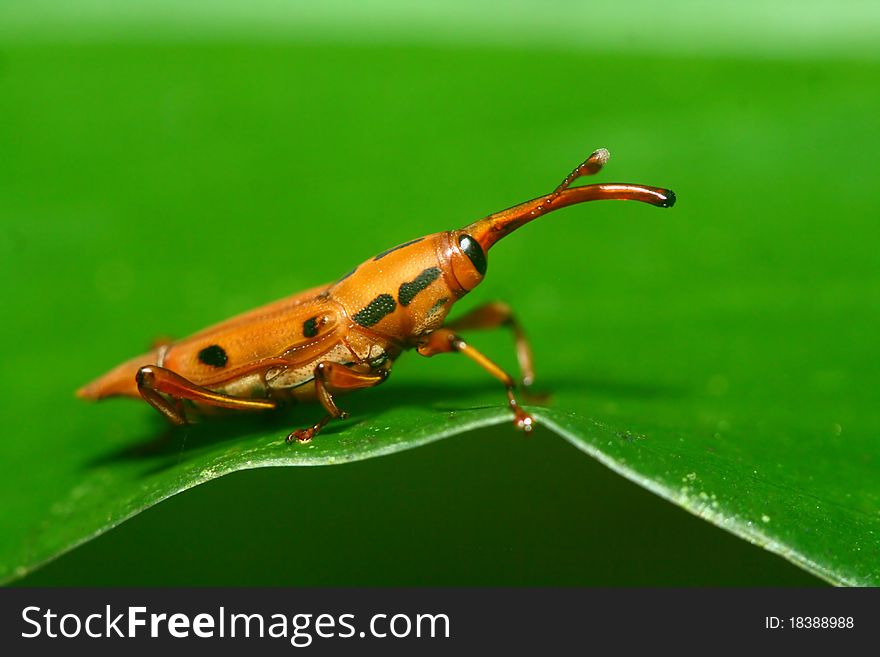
x,y
165,165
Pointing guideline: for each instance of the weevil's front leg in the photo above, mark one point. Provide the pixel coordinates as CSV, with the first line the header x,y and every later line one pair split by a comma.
x,y
153,382
445,340
497,314
330,378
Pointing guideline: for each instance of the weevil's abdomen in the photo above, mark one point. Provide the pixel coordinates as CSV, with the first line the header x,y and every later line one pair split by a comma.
x,y
299,334
299,327
120,380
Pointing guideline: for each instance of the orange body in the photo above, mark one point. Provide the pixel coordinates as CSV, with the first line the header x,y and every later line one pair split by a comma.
x,y
346,335
365,320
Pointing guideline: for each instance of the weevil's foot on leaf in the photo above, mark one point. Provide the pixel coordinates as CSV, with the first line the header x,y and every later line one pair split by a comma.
x,y
306,435
523,421
301,436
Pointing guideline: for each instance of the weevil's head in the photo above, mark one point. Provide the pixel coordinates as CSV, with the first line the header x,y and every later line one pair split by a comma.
x,y
406,291
467,259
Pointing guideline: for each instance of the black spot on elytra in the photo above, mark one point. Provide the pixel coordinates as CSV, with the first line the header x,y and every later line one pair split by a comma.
x,y
409,290
215,356
382,305
399,246
310,327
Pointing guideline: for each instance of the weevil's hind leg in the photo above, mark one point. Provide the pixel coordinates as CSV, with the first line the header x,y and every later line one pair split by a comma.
x,y
174,413
445,340
157,384
496,314
330,378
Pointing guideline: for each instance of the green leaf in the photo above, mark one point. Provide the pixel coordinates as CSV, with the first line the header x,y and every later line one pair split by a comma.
x,y
721,354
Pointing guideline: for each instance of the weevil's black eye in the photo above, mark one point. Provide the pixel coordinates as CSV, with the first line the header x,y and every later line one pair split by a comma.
x,y
474,251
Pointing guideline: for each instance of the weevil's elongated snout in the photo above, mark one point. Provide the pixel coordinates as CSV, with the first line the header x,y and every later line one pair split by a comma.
x,y
489,230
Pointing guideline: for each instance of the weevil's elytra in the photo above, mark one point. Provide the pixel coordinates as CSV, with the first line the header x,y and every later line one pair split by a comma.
x,y
346,335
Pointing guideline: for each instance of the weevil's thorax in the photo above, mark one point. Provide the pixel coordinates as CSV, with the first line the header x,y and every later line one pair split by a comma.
x,y
407,291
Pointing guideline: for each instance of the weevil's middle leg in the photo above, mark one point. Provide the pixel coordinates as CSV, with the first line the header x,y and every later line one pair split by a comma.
x,y
156,383
335,377
445,340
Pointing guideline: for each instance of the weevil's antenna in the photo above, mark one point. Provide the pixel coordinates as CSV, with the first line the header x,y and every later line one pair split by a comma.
x,y
591,166
489,230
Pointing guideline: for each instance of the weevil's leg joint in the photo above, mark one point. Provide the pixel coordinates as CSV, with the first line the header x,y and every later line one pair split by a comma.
x,y
330,378
444,341
158,385
497,314
522,420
